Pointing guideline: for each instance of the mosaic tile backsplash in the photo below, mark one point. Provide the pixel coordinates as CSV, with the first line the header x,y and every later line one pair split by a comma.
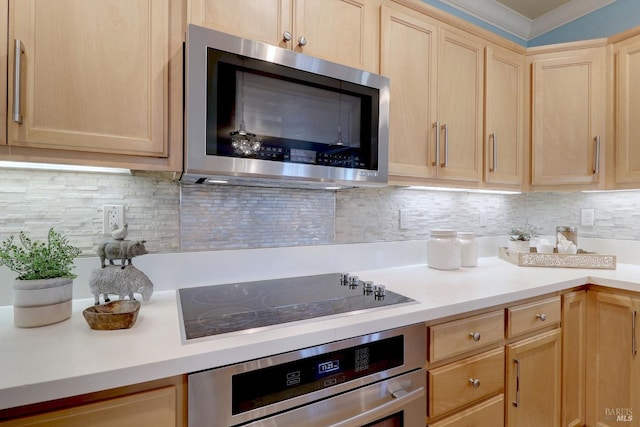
x,y
176,218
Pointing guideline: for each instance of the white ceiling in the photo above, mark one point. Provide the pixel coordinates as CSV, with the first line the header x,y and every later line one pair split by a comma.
x,y
527,19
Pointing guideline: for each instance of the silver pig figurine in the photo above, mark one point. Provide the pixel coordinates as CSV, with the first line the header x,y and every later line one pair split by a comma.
x,y
114,280
123,250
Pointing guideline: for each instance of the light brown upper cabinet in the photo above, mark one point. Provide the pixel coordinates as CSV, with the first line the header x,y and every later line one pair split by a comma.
x,y
628,111
568,117
504,115
460,106
408,58
437,94
94,77
342,31
4,25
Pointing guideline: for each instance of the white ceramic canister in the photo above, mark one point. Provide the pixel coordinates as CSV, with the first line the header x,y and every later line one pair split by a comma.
x,y
443,250
468,248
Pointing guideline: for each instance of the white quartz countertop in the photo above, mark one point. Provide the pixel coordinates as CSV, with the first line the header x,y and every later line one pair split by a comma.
x,y
69,358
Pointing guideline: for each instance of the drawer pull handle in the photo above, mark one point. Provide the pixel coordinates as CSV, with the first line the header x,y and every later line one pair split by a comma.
x,y
542,316
474,382
475,335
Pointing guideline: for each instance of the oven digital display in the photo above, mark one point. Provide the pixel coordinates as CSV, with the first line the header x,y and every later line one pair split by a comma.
x,y
265,386
325,368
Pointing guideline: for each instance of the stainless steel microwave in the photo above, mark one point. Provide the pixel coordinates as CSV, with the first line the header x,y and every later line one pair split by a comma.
x,y
257,114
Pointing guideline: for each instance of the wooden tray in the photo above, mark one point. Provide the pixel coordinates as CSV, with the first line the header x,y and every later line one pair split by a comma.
x,y
579,260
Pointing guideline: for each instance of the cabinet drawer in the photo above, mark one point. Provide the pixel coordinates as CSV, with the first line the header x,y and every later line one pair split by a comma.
x,y
467,381
525,318
460,336
486,414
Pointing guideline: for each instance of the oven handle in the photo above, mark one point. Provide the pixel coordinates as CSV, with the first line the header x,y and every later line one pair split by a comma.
x,y
400,399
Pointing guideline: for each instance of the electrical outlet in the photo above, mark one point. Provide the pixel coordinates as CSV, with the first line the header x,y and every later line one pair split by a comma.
x,y
113,217
587,217
403,219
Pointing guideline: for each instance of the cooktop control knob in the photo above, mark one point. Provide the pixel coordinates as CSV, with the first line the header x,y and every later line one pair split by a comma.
x,y
344,279
367,288
379,292
353,282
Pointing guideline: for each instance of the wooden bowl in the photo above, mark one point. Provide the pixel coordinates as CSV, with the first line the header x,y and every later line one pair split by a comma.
x,y
114,315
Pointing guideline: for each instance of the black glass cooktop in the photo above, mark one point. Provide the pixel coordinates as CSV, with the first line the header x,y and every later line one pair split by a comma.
x,y
219,309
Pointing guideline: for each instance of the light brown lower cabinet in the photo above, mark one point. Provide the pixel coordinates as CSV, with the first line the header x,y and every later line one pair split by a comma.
x,y
613,363
469,380
160,403
533,386
489,413
574,352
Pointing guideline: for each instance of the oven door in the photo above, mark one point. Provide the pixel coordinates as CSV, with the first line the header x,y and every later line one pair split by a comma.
x,y
396,402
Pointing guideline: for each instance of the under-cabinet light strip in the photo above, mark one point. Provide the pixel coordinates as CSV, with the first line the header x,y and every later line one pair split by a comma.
x,y
462,190
61,167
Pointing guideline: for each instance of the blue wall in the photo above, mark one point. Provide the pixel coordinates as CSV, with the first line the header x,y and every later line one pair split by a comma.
x,y
609,20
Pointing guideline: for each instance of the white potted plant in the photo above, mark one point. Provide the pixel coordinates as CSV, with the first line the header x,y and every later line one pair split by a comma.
x,y
520,237
43,288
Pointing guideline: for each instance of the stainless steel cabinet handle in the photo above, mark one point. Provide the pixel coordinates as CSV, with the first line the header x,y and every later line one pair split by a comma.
x,y
634,347
516,402
542,316
475,382
436,126
286,36
394,405
494,166
17,66
475,335
446,145
302,41
596,156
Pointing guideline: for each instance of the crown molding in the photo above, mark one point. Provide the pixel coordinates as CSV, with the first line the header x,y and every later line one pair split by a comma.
x,y
564,14
496,14
500,16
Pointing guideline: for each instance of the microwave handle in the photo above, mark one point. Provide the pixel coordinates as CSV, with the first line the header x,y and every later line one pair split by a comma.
x,y
400,399
17,68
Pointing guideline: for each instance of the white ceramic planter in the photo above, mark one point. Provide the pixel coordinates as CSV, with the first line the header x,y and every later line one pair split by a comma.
x,y
41,302
519,246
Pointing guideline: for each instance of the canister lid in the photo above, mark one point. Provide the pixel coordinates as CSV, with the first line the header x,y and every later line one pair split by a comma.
x,y
444,233
466,234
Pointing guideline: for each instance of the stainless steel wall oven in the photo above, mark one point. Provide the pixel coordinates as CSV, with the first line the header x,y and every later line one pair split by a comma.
x,y
371,380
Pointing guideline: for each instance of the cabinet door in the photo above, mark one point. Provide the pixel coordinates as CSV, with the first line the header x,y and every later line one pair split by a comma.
x,y
4,21
568,118
261,20
94,75
612,364
150,408
489,413
574,353
408,59
628,111
460,111
504,132
342,31
533,381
